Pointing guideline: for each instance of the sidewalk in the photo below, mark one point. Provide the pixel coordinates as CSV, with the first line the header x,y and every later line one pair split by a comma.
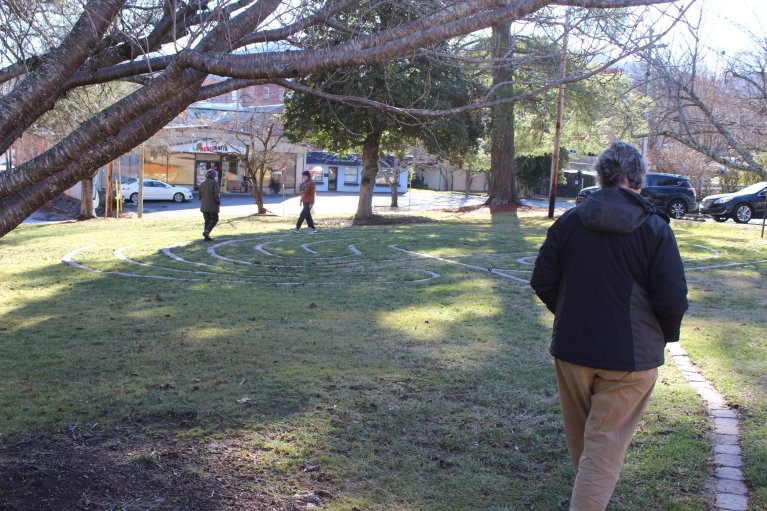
x,y
327,203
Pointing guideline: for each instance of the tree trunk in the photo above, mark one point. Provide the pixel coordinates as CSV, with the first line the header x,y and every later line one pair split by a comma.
x,y
468,182
258,194
370,150
503,185
393,185
86,199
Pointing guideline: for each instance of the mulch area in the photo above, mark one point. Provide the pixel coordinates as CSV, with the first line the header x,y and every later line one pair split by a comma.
x,y
485,209
138,469
60,208
392,220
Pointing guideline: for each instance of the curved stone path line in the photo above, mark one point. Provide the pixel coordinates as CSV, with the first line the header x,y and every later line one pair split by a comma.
x,y
514,271
731,491
528,260
715,253
260,248
305,247
491,254
69,259
168,251
352,249
713,267
472,266
120,254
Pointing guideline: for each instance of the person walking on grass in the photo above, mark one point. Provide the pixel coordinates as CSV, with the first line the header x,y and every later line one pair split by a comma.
x,y
611,273
210,202
308,188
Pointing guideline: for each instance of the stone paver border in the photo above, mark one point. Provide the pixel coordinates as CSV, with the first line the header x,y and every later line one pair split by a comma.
x,y
731,491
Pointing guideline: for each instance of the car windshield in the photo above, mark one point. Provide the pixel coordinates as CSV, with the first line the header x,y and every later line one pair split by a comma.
x,y
753,188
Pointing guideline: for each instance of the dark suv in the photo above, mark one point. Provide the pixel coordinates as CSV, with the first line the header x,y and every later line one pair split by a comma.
x,y
741,206
670,192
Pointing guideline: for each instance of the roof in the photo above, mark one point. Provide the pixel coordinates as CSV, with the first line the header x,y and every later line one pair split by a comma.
x,y
323,158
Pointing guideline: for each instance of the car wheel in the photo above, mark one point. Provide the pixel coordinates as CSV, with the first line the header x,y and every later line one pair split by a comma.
x,y
719,218
677,209
134,198
742,213
178,197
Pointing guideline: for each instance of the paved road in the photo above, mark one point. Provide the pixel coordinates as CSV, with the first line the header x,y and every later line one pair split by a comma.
x,y
328,203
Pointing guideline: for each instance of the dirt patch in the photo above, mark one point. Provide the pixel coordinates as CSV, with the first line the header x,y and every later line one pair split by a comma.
x,y
61,208
393,220
484,209
135,469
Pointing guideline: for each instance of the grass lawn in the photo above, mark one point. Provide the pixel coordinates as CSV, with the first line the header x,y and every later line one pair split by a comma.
x,y
346,369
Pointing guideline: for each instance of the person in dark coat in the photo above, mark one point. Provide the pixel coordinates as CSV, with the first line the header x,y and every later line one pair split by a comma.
x,y
210,202
610,272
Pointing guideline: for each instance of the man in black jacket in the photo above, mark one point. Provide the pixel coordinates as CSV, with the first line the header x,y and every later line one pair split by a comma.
x,y
611,273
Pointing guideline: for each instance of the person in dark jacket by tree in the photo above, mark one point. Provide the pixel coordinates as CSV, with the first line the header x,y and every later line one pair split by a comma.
x,y
611,273
210,202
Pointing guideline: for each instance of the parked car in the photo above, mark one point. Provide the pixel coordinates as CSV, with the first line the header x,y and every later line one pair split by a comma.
x,y
584,194
741,206
155,190
670,192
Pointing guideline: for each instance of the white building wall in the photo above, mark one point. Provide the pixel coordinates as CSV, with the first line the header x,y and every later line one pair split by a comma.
x,y
444,179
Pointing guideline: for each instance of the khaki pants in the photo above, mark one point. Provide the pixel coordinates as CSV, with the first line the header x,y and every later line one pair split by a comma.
x,y
601,410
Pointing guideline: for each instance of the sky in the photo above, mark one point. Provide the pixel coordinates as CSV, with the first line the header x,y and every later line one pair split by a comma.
x,y
724,20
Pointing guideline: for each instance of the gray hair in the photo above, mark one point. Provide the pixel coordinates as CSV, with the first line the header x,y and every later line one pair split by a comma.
x,y
620,160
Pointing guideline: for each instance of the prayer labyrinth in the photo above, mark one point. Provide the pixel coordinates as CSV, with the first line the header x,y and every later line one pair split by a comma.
x,y
289,260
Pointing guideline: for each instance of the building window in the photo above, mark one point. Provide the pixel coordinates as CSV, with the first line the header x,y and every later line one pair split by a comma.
x,y
381,178
181,169
155,164
316,173
351,176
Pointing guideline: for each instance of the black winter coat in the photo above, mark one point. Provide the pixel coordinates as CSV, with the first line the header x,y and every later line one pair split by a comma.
x,y
210,196
611,273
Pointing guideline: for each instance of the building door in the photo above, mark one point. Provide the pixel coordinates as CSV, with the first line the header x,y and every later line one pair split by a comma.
x,y
201,169
332,179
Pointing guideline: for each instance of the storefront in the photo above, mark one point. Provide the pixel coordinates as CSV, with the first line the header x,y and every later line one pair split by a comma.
x,y
187,164
333,173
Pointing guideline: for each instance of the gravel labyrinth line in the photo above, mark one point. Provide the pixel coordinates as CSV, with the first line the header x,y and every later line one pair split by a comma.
x,y
731,492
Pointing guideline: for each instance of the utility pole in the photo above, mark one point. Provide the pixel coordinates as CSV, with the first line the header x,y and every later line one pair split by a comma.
x,y
110,184
558,128
646,94
140,211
